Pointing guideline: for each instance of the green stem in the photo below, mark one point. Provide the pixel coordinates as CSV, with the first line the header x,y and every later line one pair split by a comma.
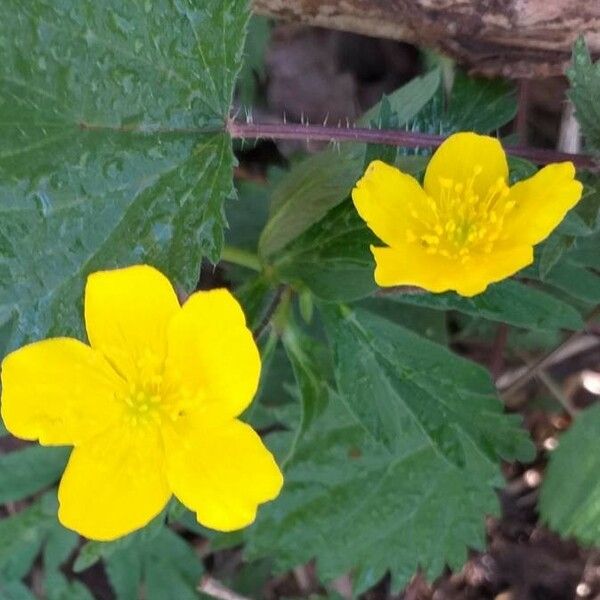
x,y
240,257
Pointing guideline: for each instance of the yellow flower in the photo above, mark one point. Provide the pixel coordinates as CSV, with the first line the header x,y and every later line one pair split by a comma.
x,y
465,227
150,407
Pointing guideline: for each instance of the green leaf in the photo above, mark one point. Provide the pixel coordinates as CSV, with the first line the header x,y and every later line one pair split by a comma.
x,y
577,281
308,192
356,507
24,472
15,590
23,535
407,101
93,551
319,183
506,302
112,148
570,494
584,77
58,587
332,258
395,382
481,105
165,565
551,253
309,370
428,323
253,69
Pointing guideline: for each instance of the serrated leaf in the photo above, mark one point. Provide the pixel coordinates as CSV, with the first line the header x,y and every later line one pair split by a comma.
x,y
23,535
577,281
407,101
584,77
570,494
111,146
26,471
551,253
319,183
92,551
506,302
353,506
307,193
394,382
309,371
165,565
332,258
481,105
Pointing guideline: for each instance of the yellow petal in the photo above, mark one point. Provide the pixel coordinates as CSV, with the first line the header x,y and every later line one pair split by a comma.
x,y
457,158
126,315
59,391
212,355
541,203
222,473
411,265
114,484
385,197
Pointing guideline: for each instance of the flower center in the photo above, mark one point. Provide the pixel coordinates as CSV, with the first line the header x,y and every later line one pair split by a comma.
x,y
141,398
460,222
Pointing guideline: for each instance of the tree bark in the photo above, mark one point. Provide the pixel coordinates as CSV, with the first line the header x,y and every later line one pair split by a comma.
x,y
513,38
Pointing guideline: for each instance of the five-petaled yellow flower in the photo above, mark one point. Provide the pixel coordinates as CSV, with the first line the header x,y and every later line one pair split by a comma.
x,y
465,227
150,407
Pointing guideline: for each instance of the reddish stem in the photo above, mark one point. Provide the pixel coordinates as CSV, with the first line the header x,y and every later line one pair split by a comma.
x,y
388,137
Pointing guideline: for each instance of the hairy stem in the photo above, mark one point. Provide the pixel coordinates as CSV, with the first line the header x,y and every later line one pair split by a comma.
x,y
389,137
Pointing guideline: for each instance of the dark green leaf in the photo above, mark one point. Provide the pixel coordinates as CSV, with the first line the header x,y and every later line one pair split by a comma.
x,y
319,183
406,102
481,105
24,472
570,495
551,252
507,302
58,587
584,93
395,382
23,535
310,190
577,281
253,68
428,323
93,551
332,258
15,590
106,151
164,564
309,370
355,507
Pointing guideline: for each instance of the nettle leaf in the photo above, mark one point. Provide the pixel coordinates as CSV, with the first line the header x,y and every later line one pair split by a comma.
x,y
353,505
24,472
584,93
481,105
305,195
308,365
112,146
506,302
394,381
570,494
332,258
164,564
24,534
319,183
